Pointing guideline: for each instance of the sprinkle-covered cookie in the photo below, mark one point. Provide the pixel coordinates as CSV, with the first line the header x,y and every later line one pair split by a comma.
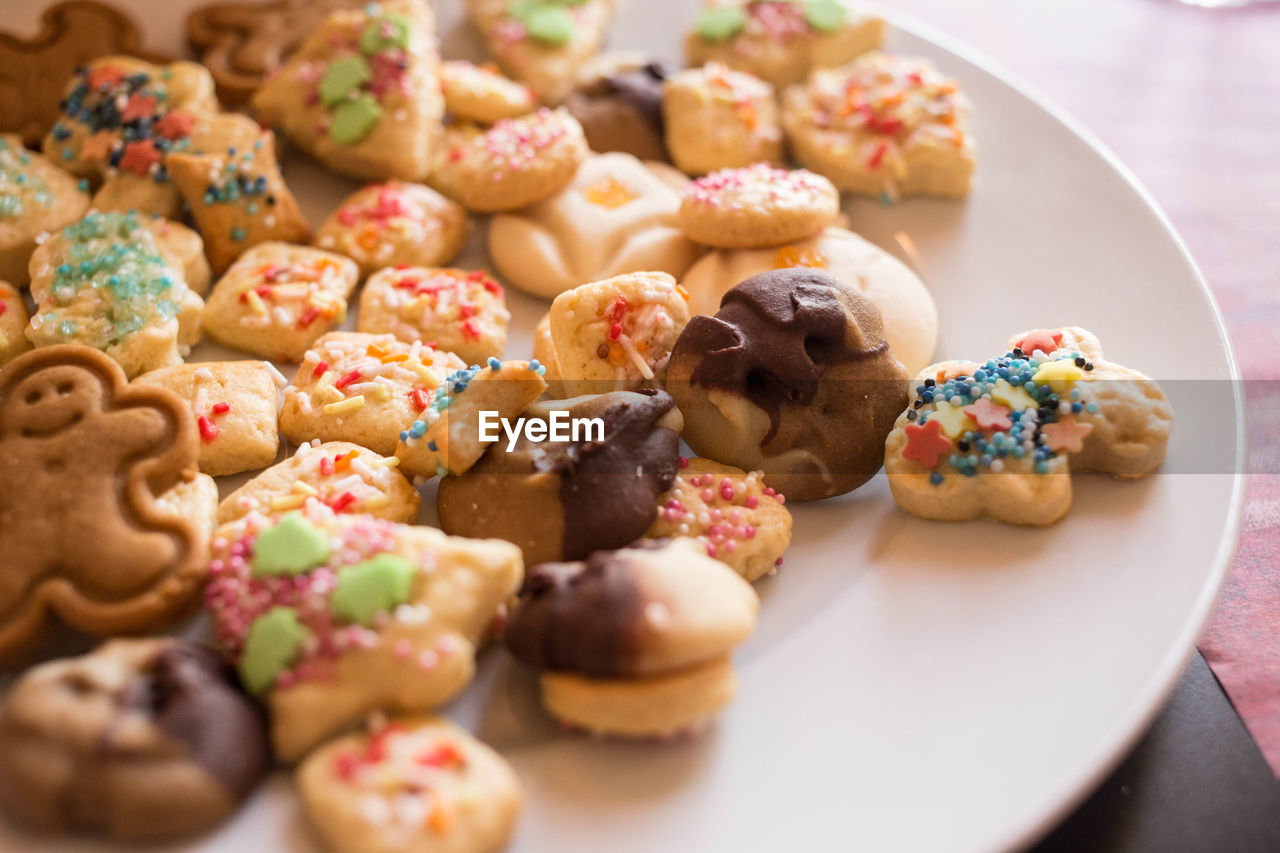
x,y
479,93
393,224
718,118
35,197
13,320
460,311
757,206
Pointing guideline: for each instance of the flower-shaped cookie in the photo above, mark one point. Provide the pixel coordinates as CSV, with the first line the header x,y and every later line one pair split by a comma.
x,y
617,216
459,311
718,118
361,95
999,439
82,456
883,126
395,224
335,616
35,197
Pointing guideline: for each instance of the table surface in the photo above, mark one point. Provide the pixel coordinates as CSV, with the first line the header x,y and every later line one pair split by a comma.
x,y
1189,98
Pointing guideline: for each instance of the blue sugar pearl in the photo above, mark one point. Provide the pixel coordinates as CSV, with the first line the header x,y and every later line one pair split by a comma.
x,y
404,435
953,460
927,396
1075,393
1075,408
418,428
237,234
985,460
1019,451
1042,467
494,364
935,478
1091,408
432,446
969,472
64,269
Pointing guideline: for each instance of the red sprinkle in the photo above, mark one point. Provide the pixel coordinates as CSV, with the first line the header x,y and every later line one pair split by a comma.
x,y
347,379
208,429
221,408
320,370
342,501
419,398
878,157
326,465
308,317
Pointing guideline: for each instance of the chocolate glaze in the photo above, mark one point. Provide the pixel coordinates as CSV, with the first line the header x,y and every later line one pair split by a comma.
x,y
772,339
640,89
189,693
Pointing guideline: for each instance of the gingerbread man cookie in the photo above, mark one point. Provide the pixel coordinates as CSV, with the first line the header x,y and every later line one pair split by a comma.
x,y
1000,438
394,224
36,197
83,538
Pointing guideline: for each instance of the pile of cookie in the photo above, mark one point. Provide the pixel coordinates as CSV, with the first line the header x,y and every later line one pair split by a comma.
x,y
701,287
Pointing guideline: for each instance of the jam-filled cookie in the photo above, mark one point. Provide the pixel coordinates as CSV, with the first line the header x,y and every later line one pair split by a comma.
x,y
395,223
459,311
718,118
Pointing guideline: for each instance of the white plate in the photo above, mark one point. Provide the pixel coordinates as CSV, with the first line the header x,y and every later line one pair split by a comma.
x,y
913,685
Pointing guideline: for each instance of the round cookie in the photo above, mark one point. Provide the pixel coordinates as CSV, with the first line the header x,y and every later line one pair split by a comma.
x,y
561,500
757,206
617,216
737,518
633,642
412,785
793,376
395,223
35,197
906,307
618,100
717,118
515,163
479,93
141,740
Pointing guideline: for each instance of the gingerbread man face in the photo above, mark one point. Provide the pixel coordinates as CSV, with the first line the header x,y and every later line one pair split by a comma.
x,y
999,439
51,401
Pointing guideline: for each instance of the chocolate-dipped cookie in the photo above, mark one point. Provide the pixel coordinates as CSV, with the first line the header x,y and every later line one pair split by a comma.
x,y
793,376
618,100
561,500
634,642
141,740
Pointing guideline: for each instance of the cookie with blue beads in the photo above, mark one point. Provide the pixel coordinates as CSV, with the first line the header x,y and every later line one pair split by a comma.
x,y
35,197
1000,439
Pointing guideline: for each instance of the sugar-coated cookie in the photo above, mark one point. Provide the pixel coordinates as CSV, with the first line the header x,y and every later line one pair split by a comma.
x,y
634,642
515,163
561,500
13,320
617,334
617,216
883,126
718,118
481,94
542,43
395,223
361,94
235,404
363,388
106,282
460,311
448,437
999,439
906,307
277,299
141,740
730,512
331,617
410,785
757,206
35,197
792,376
83,536
618,100
345,477
781,41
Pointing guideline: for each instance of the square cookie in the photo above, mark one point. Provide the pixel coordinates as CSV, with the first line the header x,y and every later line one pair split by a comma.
x,y
718,118
459,311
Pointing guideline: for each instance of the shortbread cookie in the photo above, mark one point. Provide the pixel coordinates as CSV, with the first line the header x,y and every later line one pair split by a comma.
x,y
331,617
883,126
634,642
35,197
561,500
141,740
361,94
999,439
544,352
106,282
618,101
449,437
515,163
460,311
617,216
906,307
238,199
542,43
235,404
479,93
277,299
617,334
718,118
343,476
411,785
83,537
757,206
792,376
13,319
731,513
395,224
196,500
781,41
363,389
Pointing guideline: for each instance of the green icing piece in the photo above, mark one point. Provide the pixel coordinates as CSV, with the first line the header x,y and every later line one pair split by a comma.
x,y
272,645
825,16
391,30
721,23
343,76
371,587
550,24
293,545
353,120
